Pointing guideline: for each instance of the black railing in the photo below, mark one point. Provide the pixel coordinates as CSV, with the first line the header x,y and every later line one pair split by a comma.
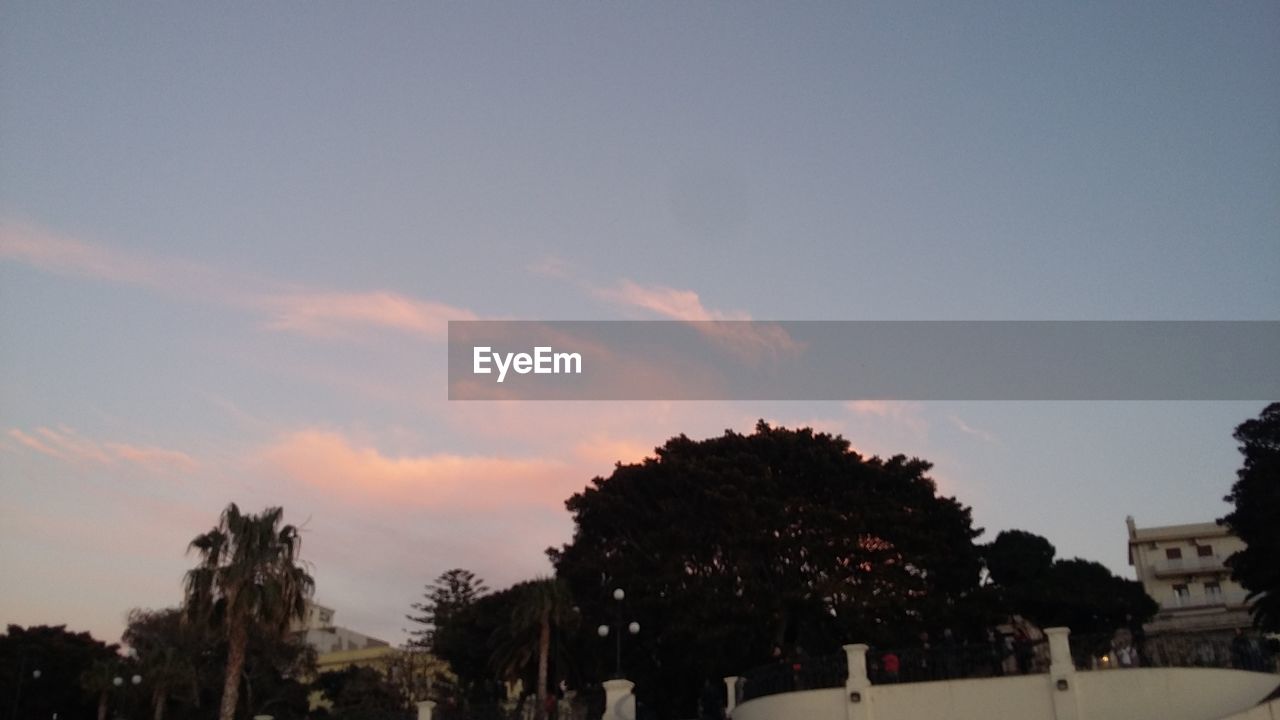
x,y
791,675
956,661
1121,650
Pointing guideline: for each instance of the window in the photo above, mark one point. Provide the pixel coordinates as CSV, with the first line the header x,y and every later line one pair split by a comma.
x,y
1204,550
1213,593
1181,595
1173,553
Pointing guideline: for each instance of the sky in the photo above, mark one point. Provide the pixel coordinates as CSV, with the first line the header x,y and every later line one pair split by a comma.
x,y
231,236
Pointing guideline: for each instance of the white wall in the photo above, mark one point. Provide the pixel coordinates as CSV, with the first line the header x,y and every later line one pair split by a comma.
x,y
1128,694
825,704
1025,697
1270,711
1170,693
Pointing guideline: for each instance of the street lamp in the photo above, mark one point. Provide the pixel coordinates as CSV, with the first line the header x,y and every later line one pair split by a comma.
x,y
22,675
633,627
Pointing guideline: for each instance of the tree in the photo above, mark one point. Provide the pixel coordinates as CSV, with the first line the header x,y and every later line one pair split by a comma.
x,y
469,640
730,546
1080,594
62,658
249,581
360,693
1256,517
168,650
543,605
452,592
1017,557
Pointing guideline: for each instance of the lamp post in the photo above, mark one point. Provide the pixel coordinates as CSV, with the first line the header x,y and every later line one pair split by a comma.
x,y
22,675
633,627
119,681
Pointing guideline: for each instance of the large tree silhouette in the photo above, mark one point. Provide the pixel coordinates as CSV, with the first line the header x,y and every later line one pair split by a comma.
x,y
1256,517
732,545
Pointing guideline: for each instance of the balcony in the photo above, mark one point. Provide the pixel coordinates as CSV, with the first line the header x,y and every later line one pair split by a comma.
x,y
1198,601
1167,567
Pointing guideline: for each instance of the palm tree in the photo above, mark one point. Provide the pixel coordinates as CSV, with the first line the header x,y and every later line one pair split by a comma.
x,y
544,604
249,581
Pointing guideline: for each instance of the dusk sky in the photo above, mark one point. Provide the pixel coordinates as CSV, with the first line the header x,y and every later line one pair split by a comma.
x,y
231,236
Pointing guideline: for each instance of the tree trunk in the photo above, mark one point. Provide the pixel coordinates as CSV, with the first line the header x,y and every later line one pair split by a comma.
x,y
158,700
544,652
102,705
237,643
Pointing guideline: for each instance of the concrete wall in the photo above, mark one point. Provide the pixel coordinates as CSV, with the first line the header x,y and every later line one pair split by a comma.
x,y
1062,694
1134,694
1026,697
828,704
1270,711
1170,693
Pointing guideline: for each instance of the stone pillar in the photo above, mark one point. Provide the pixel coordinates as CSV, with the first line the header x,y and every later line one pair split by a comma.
x,y
425,708
1062,674
857,686
619,701
731,692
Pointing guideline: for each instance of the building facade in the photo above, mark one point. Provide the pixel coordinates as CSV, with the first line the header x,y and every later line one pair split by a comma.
x,y
1183,568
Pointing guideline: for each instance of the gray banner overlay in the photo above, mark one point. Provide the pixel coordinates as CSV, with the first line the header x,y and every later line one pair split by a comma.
x,y
864,360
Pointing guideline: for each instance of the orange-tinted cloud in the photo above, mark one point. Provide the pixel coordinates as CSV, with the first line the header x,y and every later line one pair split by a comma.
x,y
666,302
332,463
334,314
315,313
66,444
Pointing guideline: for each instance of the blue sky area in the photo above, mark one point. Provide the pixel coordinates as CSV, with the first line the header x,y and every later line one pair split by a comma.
x,y
232,234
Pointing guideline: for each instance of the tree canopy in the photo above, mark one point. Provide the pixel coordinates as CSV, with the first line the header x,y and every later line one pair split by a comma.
x,y
1255,518
730,546
62,658
1080,594
249,582
452,592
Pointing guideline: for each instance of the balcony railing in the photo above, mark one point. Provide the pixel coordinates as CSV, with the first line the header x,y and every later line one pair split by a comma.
x,y
1164,567
1230,598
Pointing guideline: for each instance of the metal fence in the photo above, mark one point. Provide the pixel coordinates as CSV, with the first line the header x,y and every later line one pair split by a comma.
x,y
956,661
1122,650
790,675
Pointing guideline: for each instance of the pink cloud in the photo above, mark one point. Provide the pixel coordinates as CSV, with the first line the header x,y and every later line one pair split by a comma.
x,y
750,342
906,414
332,463
968,429
666,302
66,444
34,444
601,452
315,313
334,314
152,457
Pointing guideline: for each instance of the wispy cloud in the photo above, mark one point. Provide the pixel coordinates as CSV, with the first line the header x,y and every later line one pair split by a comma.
x,y
331,315
750,342
333,463
314,313
65,444
670,303
906,414
968,429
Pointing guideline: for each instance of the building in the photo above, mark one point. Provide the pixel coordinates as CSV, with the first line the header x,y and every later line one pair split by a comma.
x,y
1183,568
318,631
338,648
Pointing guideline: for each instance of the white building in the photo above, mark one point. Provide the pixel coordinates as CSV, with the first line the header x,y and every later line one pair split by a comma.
x,y
1182,567
318,631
